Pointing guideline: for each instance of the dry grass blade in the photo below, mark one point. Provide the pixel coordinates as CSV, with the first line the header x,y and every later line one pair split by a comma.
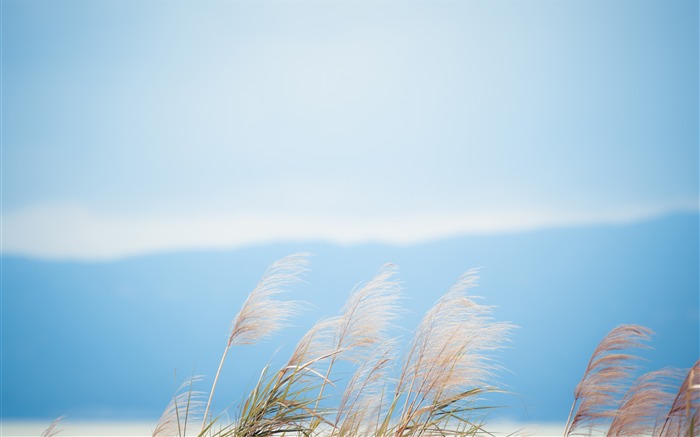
x,y
449,355
683,419
605,378
279,403
263,313
53,429
185,406
354,334
643,405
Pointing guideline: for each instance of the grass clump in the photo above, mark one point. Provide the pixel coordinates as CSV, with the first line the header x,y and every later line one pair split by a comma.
x,y
263,313
445,369
433,386
608,398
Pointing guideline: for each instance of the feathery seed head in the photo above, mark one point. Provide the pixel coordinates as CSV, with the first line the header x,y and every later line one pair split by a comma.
x,y
368,314
607,375
263,313
642,406
450,352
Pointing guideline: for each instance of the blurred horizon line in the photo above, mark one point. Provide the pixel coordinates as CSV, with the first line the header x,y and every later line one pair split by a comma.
x,y
75,233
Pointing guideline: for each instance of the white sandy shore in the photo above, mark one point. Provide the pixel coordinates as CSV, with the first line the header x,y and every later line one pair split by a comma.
x,y
131,429
74,428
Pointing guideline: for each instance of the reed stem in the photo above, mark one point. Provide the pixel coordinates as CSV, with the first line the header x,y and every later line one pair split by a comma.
x,y
213,387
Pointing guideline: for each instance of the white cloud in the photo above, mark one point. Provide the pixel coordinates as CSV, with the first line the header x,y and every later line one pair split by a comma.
x,y
73,232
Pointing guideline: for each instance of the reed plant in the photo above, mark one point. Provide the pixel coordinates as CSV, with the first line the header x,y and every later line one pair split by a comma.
x,y
609,399
446,368
263,313
432,386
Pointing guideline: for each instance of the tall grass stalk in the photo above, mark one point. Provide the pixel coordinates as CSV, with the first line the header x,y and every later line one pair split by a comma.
x,y
605,377
263,313
53,428
446,370
281,402
447,367
642,407
364,321
278,404
448,364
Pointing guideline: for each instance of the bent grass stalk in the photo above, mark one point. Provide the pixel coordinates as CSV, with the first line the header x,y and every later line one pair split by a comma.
x,y
364,321
445,370
53,429
638,410
447,366
447,363
643,405
263,314
604,378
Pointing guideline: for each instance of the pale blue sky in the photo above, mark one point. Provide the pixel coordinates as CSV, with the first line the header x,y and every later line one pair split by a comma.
x,y
140,126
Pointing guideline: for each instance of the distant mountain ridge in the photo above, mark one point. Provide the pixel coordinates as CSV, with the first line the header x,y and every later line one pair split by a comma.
x,y
101,339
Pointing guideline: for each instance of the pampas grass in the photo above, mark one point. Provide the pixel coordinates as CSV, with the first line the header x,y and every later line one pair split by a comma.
x,y
363,326
263,313
434,389
606,394
642,407
448,364
280,403
605,378
367,316
353,335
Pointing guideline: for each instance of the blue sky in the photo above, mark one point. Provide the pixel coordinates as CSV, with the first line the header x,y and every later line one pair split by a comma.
x,y
132,127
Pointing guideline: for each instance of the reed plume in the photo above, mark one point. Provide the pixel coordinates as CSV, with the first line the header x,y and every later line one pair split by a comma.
x,y
364,321
280,401
353,335
367,315
448,363
643,405
263,313
596,396
683,418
